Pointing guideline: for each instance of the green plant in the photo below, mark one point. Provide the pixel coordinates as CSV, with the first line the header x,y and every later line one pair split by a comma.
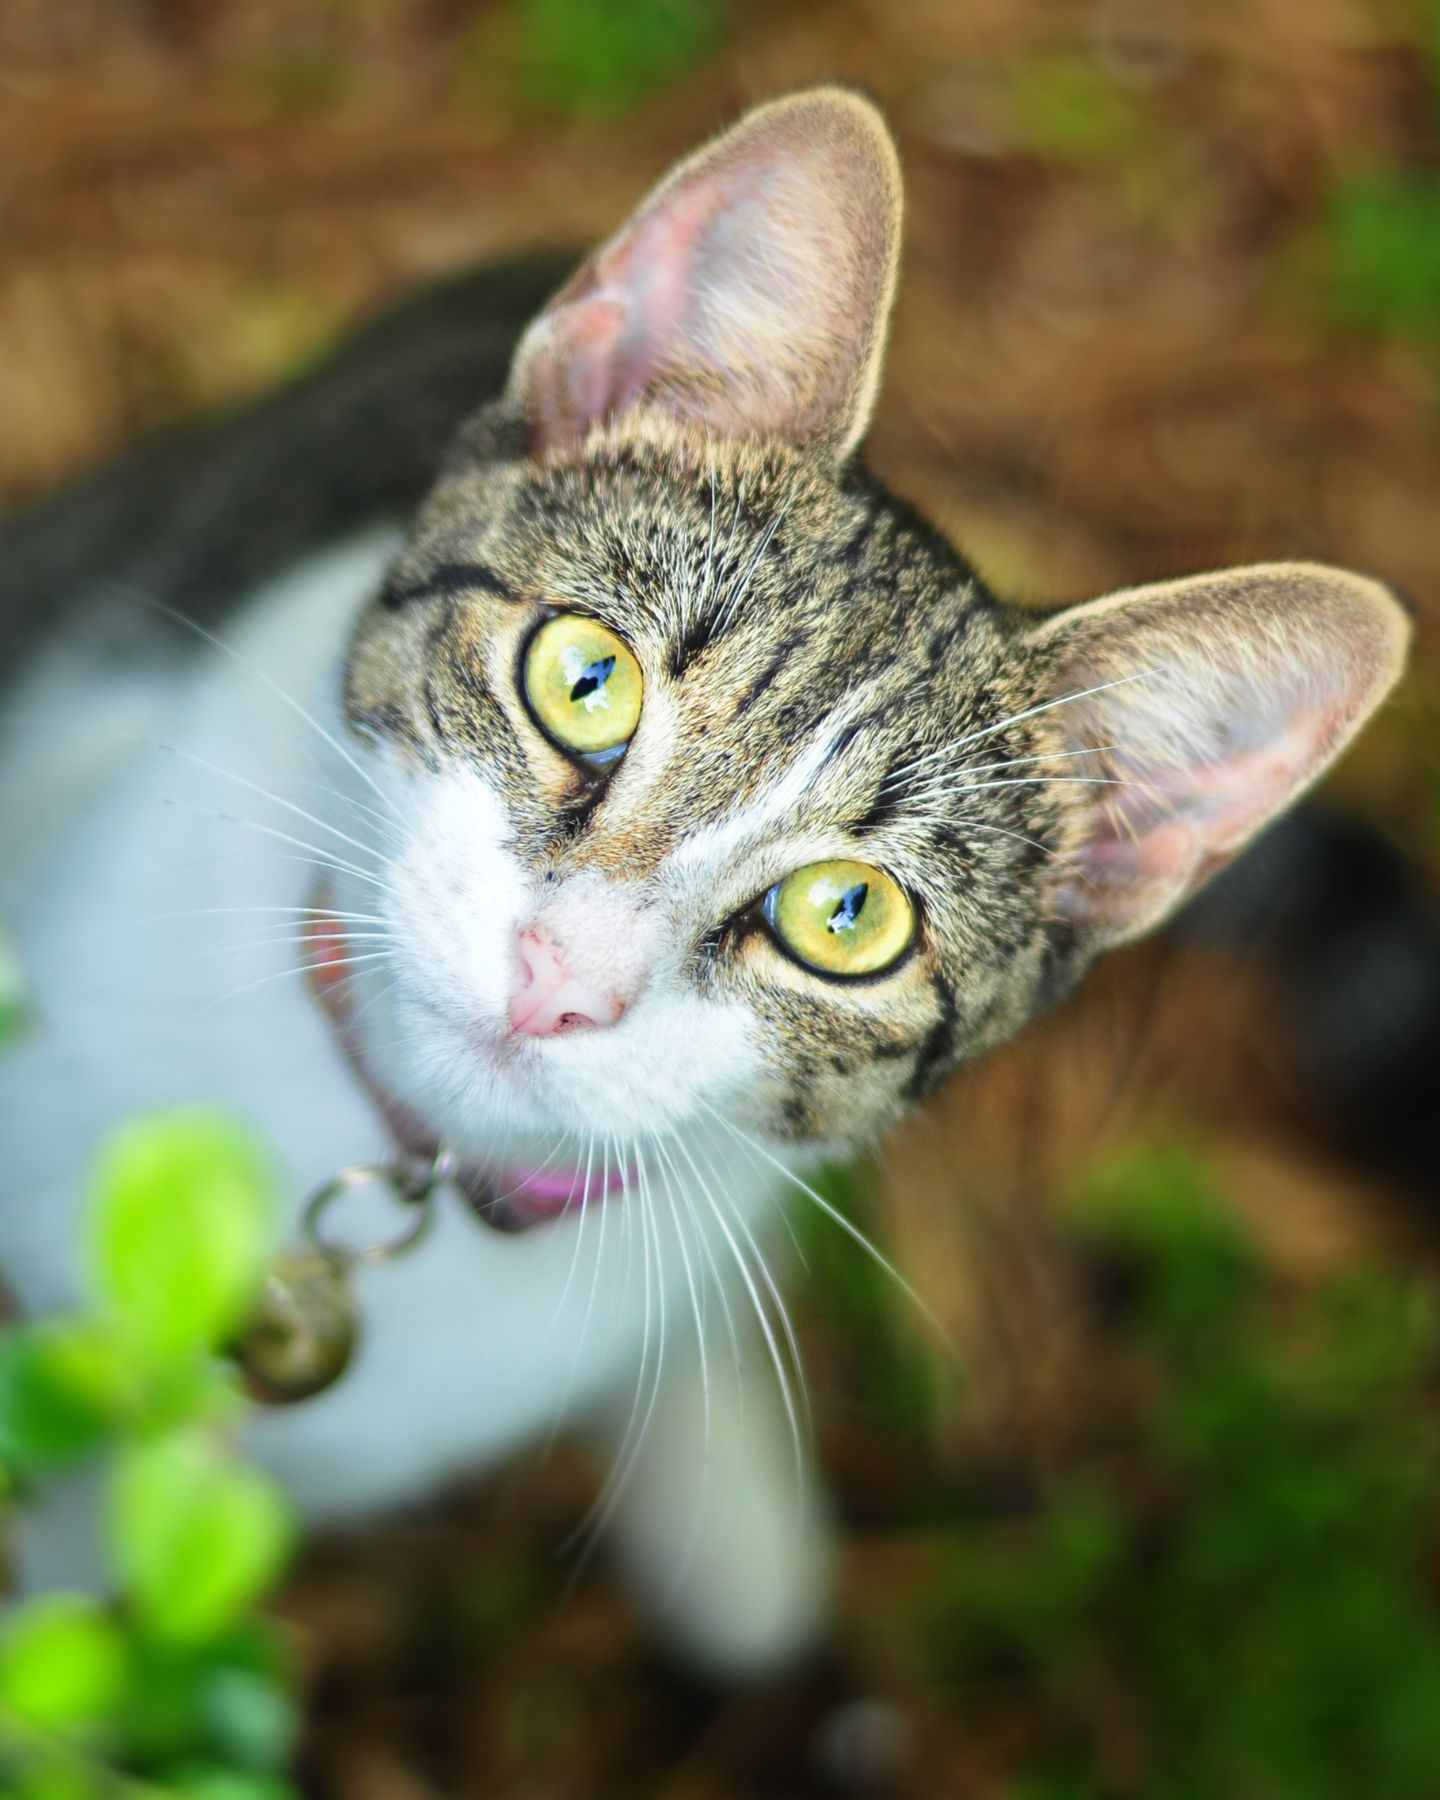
x,y
12,992
1380,253
176,1686
588,58
1070,110
894,1379
1243,1599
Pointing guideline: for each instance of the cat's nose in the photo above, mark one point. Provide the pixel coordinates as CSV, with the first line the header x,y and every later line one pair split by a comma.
x,y
548,999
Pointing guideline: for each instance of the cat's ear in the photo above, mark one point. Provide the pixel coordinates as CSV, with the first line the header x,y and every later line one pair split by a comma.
x,y
749,293
1190,713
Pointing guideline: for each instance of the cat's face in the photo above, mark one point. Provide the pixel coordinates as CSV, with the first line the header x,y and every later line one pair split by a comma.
x,y
798,644
721,782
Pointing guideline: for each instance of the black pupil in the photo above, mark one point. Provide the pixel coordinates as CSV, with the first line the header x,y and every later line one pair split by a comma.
x,y
595,676
847,912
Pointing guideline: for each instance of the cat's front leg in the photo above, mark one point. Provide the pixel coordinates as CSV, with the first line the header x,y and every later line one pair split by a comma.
x,y
717,1519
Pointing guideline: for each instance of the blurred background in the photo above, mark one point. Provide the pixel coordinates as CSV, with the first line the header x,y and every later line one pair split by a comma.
x,y
1166,1525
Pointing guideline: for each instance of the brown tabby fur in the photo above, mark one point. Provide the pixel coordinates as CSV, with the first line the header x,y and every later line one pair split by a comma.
x,y
783,605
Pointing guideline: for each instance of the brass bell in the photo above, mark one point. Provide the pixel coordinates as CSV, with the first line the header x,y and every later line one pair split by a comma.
x,y
301,1336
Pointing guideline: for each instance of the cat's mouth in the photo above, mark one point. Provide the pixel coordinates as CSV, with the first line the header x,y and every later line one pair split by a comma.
x,y
515,1199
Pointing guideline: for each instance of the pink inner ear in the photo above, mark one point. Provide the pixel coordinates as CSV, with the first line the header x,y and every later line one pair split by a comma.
x,y
572,371
1121,881
1234,797
1201,708
608,339
655,265
748,295
1152,844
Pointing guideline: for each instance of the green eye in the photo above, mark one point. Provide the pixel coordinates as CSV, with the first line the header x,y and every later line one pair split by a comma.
x,y
842,918
583,685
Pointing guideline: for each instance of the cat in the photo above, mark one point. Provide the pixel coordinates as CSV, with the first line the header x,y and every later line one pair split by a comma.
x,y
674,807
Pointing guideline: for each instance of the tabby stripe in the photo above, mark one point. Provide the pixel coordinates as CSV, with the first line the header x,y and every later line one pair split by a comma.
x,y
766,678
938,1045
451,581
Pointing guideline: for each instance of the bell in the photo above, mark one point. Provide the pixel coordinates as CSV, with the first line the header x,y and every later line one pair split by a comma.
x,y
302,1333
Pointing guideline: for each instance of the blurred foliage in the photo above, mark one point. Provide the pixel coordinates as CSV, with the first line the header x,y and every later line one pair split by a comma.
x,y
176,1688
1244,1604
891,1378
1381,253
298,79
588,59
1070,109
1375,257
12,992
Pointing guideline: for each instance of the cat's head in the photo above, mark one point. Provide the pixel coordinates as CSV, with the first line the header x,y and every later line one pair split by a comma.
x,y
723,782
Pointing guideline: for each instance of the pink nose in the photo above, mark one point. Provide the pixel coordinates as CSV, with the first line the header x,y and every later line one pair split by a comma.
x,y
547,999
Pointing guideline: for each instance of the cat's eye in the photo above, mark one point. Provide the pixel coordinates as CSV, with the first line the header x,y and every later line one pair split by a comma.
x,y
583,686
841,918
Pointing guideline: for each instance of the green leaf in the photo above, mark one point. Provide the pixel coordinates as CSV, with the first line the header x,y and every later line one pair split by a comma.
x,y
1384,244
251,1716
63,1663
225,1784
1069,109
51,1775
64,1386
592,58
182,1228
227,1702
12,993
198,1537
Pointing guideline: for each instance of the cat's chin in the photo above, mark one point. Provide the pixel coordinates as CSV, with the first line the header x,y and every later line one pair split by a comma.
x,y
512,1192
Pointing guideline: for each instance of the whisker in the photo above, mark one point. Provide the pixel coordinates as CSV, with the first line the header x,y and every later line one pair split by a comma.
x,y
380,994
787,1325
594,1273
327,860
278,943
265,793
314,912
638,1423
792,1343
848,1226
742,586
1016,719
762,1318
383,825
668,1170
1004,831
783,1213
945,791
275,688
702,1239
1017,762
323,861
295,969
579,1241
692,1532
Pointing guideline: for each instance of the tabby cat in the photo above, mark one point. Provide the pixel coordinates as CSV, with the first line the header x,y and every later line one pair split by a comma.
x,y
668,807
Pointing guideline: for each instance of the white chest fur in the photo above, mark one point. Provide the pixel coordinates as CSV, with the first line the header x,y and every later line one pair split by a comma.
x,y
157,932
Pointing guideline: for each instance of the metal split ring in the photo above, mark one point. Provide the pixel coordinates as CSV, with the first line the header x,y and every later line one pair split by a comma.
x,y
413,1180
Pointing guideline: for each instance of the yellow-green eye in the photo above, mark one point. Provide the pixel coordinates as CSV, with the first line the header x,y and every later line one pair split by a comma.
x,y
843,918
583,685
